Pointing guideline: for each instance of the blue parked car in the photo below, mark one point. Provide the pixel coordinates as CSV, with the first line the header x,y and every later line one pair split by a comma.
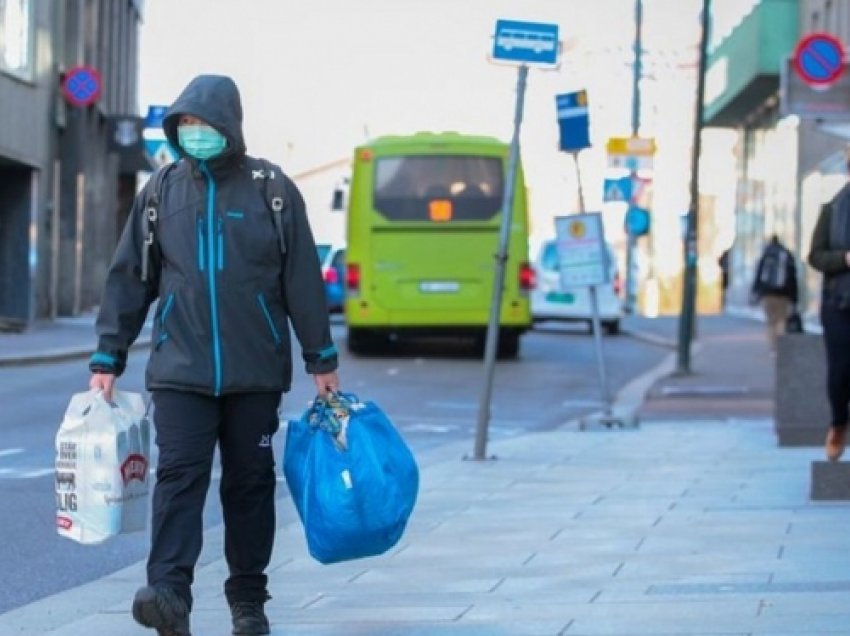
x,y
332,259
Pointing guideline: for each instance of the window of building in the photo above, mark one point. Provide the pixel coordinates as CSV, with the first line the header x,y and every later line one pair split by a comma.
x,y
16,37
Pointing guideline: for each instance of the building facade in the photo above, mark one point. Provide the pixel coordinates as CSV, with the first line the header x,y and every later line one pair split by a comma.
x,y
790,144
68,152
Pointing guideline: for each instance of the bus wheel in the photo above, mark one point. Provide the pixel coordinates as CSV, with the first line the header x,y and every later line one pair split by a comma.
x,y
612,327
360,341
508,345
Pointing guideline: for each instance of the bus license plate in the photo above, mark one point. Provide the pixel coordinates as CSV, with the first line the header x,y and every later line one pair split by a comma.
x,y
439,287
560,297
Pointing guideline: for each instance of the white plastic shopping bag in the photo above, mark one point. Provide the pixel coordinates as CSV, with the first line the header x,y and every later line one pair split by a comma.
x,y
102,459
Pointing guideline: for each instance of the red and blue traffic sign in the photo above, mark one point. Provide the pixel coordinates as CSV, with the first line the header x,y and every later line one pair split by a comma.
x,y
819,59
82,86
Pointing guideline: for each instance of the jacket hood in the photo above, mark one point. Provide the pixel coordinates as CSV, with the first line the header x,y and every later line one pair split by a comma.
x,y
215,99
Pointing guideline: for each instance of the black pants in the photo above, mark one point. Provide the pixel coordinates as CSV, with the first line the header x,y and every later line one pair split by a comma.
x,y
188,425
836,334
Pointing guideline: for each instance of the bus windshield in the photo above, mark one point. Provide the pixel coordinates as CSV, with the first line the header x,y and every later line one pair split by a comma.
x,y
469,188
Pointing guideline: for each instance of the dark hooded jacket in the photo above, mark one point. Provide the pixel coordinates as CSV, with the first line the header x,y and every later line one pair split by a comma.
x,y
227,288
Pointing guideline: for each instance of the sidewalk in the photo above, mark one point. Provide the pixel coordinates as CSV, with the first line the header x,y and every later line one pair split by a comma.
x,y
689,525
54,341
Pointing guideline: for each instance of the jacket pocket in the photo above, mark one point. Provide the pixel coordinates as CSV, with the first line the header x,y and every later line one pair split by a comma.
x,y
201,241
261,300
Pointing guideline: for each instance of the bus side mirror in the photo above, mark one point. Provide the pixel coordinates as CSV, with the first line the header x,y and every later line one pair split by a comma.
x,y
338,200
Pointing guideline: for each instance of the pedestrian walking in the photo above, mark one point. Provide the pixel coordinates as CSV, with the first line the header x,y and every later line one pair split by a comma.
x,y
830,255
775,287
724,265
222,240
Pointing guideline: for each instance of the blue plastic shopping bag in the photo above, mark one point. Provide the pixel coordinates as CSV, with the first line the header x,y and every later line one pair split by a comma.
x,y
352,477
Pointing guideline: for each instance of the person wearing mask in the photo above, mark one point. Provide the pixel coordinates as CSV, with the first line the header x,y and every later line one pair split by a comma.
x,y
830,255
775,287
229,281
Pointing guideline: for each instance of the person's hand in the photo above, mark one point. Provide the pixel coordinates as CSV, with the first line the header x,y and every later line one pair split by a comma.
x,y
326,383
103,382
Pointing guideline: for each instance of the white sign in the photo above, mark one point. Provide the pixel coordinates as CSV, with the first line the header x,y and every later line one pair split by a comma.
x,y
583,259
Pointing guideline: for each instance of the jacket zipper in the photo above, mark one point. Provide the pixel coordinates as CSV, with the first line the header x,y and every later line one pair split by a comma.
x,y
163,334
211,276
275,334
220,232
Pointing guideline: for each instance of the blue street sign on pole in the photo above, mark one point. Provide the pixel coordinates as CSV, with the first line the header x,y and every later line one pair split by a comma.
x,y
636,221
160,151
573,121
155,116
617,190
526,42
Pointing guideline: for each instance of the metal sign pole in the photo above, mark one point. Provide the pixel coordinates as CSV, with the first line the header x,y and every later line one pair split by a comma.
x,y
499,278
600,357
578,181
596,323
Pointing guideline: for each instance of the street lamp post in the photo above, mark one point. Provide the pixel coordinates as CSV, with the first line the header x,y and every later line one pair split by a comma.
x,y
631,245
689,281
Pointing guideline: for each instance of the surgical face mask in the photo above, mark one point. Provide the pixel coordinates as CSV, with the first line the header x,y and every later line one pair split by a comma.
x,y
201,142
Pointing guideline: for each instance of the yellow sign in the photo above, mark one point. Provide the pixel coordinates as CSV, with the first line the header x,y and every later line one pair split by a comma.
x,y
633,146
577,229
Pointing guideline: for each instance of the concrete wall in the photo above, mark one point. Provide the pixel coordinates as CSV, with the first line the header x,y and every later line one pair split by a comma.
x,y
59,201
801,407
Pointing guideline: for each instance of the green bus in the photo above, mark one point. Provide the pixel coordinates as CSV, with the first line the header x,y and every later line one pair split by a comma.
x,y
422,234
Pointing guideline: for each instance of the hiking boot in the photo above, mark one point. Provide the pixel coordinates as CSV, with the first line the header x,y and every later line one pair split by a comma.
x,y
163,609
249,618
836,439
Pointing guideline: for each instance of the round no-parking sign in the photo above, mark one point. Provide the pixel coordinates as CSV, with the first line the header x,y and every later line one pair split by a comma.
x,y
819,59
82,86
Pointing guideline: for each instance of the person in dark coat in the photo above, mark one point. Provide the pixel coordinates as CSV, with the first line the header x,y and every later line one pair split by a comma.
x,y
775,287
228,287
830,254
724,265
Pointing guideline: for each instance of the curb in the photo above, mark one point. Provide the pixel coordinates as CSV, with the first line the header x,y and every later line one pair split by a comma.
x,y
649,338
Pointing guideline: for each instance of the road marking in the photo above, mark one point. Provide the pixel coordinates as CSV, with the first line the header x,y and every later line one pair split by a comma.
x,y
465,406
583,402
430,428
5,452
25,473
40,472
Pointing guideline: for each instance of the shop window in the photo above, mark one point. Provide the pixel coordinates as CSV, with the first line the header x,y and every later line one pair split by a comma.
x,y
16,37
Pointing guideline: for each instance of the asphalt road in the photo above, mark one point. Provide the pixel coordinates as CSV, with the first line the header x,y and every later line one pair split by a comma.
x,y
430,390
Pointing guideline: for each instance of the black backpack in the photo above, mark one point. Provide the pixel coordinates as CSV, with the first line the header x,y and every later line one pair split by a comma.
x,y
263,173
775,271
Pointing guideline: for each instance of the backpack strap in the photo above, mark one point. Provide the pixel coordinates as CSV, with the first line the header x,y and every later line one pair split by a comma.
x,y
150,216
274,193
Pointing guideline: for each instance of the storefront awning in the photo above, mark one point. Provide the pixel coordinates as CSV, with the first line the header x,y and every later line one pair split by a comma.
x,y
743,71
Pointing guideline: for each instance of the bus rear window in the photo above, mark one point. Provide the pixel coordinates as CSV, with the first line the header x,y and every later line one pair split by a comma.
x,y
467,188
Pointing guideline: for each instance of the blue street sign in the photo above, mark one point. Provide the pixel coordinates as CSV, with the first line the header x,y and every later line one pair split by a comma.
x,y
573,121
636,221
530,42
618,190
160,151
155,116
